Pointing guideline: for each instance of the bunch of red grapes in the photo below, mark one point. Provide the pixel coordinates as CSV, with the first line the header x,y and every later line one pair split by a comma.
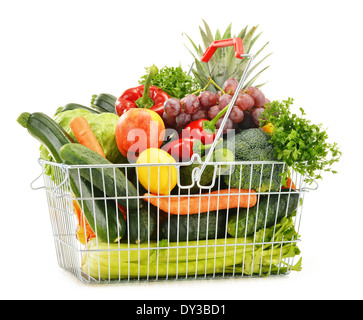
x,y
245,113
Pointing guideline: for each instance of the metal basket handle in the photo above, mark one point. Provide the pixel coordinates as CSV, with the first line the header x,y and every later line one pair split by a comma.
x,y
37,178
239,52
65,170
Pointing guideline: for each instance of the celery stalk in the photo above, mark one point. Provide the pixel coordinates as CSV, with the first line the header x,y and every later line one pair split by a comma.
x,y
124,270
161,259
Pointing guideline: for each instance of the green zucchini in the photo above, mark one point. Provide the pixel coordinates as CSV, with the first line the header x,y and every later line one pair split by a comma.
x,y
46,131
104,102
74,106
114,184
194,227
105,219
269,210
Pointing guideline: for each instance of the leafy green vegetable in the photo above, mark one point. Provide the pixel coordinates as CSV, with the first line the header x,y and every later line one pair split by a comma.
x,y
174,81
302,145
104,127
64,118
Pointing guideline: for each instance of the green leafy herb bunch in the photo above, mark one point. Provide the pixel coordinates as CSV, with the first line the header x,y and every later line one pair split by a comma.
x,y
302,145
174,81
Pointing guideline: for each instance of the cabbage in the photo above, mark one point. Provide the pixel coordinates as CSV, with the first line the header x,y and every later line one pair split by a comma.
x,y
64,119
103,126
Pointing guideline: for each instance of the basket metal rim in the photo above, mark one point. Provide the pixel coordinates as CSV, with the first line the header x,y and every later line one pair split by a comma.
x,y
176,164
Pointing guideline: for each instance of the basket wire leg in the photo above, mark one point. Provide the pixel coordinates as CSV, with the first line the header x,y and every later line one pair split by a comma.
x,y
54,225
58,223
57,218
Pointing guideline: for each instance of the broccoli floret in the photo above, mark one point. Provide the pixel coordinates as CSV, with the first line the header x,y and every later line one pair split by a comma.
x,y
254,145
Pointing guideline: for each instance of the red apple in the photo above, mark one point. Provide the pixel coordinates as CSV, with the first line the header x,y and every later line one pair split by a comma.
x,y
137,130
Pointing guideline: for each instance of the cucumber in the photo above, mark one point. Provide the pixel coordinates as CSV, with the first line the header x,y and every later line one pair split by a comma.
x,y
110,180
104,102
219,155
264,214
103,216
113,183
141,225
73,106
194,227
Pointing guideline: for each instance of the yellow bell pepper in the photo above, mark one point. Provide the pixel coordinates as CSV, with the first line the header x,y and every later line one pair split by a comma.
x,y
159,180
269,128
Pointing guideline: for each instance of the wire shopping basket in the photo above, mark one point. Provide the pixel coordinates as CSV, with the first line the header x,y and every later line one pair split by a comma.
x,y
108,227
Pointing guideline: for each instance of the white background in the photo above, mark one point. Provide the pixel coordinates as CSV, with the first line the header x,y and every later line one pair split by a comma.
x,y
56,52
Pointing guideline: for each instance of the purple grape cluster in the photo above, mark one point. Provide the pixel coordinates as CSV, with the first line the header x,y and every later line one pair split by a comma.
x,y
245,113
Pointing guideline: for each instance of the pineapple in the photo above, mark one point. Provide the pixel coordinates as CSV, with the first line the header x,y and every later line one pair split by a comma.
x,y
224,64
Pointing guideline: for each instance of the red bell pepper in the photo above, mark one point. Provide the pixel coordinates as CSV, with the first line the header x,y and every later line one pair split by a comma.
x,y
180,149
183,149
203,129
144,96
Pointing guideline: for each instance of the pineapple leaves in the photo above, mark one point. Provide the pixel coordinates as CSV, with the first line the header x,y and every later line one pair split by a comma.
x,y
234,65
218,35
257,64
196,49
250,82
206,40
242,34
254,40
228,32
247,39
259,51
224,64
208,32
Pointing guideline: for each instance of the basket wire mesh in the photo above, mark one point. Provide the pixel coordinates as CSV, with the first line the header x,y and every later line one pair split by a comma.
x,y
200,245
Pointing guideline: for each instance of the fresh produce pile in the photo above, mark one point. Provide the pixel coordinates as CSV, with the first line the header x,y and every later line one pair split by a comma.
x,y
145,214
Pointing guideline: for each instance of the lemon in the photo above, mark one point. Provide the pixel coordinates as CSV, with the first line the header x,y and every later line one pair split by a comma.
x,y
159,180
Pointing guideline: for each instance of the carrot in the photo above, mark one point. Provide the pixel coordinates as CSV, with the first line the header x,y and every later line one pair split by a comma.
x,y
123,211
289,184
216,200
84,232
84,134
84,235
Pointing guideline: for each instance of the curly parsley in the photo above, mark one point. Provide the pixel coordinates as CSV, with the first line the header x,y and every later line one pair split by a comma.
x,y
302,145
174,81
